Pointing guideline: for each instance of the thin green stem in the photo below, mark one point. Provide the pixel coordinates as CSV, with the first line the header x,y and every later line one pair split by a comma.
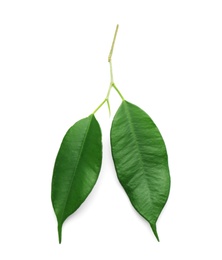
x,y
111,72
108,93
117,90
113,43
108,104
104,101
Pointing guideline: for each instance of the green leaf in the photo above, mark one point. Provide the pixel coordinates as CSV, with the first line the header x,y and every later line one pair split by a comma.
x,y
77,168
140,159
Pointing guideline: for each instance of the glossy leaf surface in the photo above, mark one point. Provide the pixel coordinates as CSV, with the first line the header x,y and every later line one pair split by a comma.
x,y
76,169
140,159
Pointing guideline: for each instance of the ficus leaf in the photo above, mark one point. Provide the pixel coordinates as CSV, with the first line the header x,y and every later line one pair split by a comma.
x,y
76,168
141,162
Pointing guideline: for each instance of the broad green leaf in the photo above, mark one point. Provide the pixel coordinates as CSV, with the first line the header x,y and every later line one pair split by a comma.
x,y
140,159
77,168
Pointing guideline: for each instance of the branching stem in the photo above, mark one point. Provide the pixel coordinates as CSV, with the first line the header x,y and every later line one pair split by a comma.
x,y
112,84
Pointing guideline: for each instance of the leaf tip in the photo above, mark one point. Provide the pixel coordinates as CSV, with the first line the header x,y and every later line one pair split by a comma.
x,y
60,233
153,226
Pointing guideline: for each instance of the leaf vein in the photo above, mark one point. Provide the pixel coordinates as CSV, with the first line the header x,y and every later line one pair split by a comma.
x,y
137,147
75,169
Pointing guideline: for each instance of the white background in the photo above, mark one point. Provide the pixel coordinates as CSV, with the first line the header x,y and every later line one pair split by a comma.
x,y
54,71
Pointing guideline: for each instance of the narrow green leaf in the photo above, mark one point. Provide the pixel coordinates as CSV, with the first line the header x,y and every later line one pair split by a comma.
x,y
76,169
140,159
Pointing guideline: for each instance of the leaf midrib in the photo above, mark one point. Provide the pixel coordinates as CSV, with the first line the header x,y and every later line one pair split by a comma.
x,y
75,169
137,146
